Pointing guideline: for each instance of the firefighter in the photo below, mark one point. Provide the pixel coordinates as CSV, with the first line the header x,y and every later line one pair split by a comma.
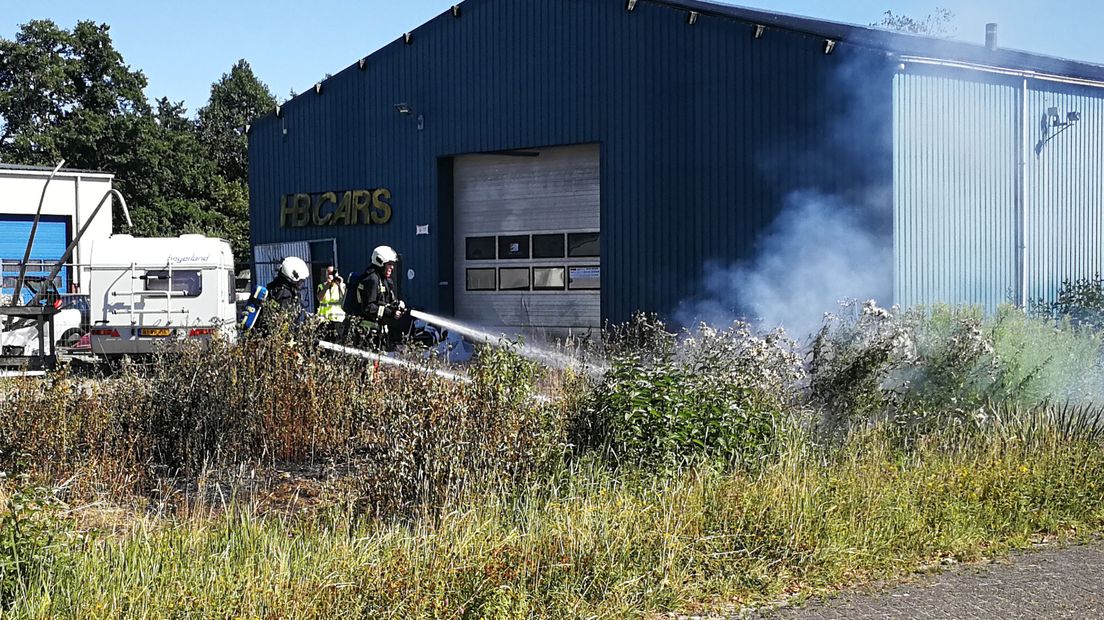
x,y
284,289
378,312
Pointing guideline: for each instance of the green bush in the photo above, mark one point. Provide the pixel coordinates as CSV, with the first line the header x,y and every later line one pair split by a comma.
x,y
29,544
929,367
710,394
1079,301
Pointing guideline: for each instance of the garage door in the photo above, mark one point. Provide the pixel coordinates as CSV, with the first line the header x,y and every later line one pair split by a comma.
x,y
527,240
50,242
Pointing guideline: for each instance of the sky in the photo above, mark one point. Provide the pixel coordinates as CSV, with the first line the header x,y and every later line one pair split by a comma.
x,y
183,47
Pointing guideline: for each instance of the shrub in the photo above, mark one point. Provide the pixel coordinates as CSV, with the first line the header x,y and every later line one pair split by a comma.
x,y
28,542
927,367
711,394
1079,301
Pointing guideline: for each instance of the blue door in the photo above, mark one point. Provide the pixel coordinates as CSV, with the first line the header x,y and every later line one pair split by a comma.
x,y
51,239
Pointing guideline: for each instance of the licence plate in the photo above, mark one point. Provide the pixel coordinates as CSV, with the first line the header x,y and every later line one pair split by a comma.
x,y
158,332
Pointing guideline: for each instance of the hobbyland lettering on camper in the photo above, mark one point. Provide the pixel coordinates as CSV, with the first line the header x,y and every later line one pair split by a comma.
x,y
190,259
349,208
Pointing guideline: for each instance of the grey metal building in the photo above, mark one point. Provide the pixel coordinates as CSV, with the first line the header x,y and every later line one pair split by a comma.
x,y
560,163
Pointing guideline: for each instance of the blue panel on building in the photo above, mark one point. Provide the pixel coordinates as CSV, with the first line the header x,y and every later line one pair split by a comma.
x,y
51,239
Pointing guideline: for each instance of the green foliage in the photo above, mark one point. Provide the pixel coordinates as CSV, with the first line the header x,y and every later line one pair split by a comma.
x,y
713,394
1079,301
29,545
929,367
236,99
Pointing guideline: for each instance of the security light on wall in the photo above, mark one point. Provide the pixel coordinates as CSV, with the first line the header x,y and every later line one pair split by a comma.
x,y
1053,120
1056,117
406,110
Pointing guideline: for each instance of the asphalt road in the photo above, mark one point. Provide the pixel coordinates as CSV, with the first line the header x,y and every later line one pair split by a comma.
x,y
1056,582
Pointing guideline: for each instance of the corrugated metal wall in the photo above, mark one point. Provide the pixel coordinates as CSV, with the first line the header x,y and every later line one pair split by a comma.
x,y
704,131
959,202
1065,220
955,191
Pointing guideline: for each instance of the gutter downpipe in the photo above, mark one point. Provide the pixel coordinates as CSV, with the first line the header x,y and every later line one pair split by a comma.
x,y
1022,216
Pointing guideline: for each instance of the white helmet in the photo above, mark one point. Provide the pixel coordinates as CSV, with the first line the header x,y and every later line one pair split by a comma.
x,y
383,255
293,268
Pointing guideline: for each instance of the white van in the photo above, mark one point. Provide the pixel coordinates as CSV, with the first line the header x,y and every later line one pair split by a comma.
x,y
148,290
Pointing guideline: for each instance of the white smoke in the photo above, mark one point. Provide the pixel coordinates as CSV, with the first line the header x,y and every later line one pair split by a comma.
x,y
817,252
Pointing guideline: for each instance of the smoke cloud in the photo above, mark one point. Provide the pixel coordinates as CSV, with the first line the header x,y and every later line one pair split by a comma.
x,y
817,252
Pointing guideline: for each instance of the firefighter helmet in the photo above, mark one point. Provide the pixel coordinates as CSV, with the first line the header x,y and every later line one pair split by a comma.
x,y
293,268
383,255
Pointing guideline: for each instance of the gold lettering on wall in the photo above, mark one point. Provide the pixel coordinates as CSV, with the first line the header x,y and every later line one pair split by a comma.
x,y
353,208
318,218
381,209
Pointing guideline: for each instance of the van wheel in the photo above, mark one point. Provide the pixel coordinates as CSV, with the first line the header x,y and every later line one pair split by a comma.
x,y
70,338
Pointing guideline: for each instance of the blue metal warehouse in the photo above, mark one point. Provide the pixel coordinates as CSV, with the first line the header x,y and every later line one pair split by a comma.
x,y
560,163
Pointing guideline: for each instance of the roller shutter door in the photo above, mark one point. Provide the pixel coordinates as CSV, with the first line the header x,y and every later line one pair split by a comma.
x,y
526,238
51,239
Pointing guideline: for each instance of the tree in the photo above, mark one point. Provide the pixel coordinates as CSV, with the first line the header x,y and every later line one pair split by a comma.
x,y
236,100
64,94
939,23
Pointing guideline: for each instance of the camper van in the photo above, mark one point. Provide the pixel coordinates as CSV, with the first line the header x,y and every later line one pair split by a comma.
x,y
145,291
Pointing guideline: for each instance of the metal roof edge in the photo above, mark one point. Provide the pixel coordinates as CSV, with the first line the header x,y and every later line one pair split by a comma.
x,y
897,42
46,170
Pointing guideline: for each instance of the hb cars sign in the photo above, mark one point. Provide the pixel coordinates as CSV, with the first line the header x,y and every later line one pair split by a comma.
x,y
349,208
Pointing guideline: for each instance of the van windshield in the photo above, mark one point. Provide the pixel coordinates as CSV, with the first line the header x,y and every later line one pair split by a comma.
x,y
185,282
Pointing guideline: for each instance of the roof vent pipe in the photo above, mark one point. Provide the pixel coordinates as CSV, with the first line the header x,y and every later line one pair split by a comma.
x,y
991,36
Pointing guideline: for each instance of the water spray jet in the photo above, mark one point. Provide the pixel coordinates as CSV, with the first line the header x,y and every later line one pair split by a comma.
x,y
529,351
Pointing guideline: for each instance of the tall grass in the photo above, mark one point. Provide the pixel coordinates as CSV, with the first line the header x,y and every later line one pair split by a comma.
x,y
272,479
587,542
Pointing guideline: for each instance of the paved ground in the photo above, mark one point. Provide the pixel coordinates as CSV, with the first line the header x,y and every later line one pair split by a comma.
x,y
1049,583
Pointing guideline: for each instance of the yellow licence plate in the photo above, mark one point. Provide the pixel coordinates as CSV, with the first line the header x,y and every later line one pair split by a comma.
x,y
157,332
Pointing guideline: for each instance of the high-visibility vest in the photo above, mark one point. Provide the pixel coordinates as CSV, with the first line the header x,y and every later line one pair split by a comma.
x,y
330,306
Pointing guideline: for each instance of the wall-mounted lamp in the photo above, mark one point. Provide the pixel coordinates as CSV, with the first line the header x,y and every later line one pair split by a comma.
x,y
759,30
318,88
631,5
1056,118
408,38
278,111
456,10
693,18
1051,120
829,45
405,109
362,63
